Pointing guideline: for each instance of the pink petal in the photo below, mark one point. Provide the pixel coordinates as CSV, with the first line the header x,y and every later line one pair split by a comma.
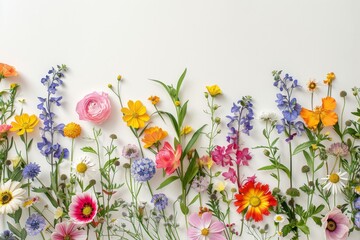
x,y
206,220
195,220
217,227
216,236
193,233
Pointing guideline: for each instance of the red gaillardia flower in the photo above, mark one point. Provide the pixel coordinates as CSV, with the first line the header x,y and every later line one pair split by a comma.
x,y
255,199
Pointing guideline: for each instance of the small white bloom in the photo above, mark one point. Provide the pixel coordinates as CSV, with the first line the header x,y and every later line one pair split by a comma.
x,y
278,218
84,166
268,116
334,181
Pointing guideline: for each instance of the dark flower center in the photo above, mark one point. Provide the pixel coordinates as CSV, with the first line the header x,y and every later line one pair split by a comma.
x,y
331,225
5,198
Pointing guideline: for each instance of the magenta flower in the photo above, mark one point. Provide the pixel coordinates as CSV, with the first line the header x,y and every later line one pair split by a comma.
x,y
68,230
336,225
168,158
222,156
83,208
94,107
231,174
243,157
203,228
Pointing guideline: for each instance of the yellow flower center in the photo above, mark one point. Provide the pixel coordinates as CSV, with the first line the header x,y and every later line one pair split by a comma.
x,y
312,86
5,198
205,231
135,115
334,178
81,167
67,237
331,225
87,210
255,201
278,218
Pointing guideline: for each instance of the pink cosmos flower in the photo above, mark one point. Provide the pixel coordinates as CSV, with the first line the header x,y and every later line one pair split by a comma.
x,y
168,158
68,230
336,225
4,128
202,228
94,107
231,174
83,208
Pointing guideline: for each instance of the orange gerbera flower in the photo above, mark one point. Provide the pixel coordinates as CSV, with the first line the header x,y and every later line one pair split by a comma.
x,y
7,71
153,136
256,199
325,114
135,115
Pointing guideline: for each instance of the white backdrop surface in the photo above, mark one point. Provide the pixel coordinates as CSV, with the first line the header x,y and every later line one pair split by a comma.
x,y
235,44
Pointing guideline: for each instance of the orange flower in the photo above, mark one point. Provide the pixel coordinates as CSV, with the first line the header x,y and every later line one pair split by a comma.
x,y
7,71
154,100
329,78
325,114
153,136
256,199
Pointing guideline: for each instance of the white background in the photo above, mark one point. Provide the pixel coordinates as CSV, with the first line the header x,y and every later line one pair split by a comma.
x,y
235,44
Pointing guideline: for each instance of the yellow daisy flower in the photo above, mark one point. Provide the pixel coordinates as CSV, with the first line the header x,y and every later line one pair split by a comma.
x,y
135,115
24,123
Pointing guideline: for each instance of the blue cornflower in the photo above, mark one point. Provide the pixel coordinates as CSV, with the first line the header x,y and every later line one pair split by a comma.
x,y
7,235
357,203
31,171
143,169
160,201
35,224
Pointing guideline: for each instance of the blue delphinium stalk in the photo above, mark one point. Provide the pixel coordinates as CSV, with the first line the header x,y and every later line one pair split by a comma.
x,y
242,115
47,146
35,224
31,171
160,201
143,169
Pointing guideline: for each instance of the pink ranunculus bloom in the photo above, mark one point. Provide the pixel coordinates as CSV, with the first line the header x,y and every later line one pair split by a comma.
x,y
243,157
94,107
83,208
336,225
68,230
4,128
203,228
231,174
168,158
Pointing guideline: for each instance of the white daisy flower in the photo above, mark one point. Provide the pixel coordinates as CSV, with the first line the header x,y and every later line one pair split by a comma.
x,y
11,197
83,167
268,116
278,218
334,182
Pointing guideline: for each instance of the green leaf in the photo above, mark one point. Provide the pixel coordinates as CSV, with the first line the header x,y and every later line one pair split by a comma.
x,y
173,122
162,84
184,208
194,199
182,114
317,220
23,234
191,171
17,215
89,150
305,229
91,183
302,147
309,160
192,141
180,81
269,167
167,181
14,230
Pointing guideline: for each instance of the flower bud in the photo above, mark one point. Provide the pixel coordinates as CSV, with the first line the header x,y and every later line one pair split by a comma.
x,y
117,163
92,182
217,120
233,190
8,162
63,177
348,123
206,94
113,136
293,192
266,152
343,94
305,169
126,165
109,85
311,184
119,77
216,107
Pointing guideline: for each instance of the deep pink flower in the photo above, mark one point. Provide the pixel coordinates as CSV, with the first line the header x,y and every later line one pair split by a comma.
x,y
168,158
243,157
83,208
231,174
68,231
223,156
336,225
4,128
203,228
94,107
